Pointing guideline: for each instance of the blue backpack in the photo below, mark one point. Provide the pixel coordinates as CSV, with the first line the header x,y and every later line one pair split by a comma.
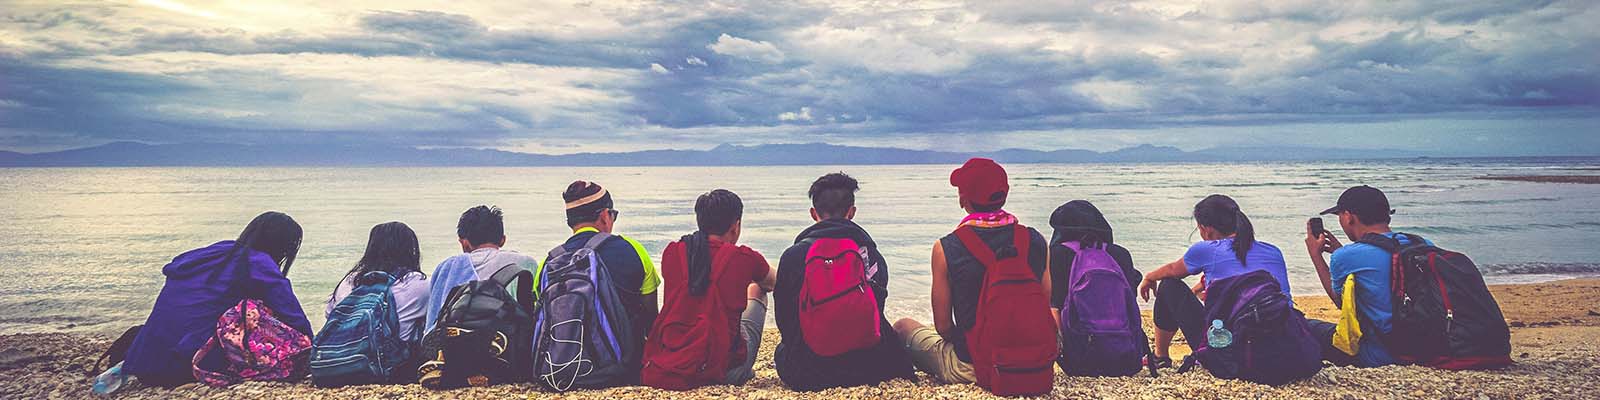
x,y
361,342
1101,330
1271,343
582,334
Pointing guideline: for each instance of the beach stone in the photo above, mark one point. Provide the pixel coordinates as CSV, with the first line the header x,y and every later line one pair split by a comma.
x,y
14,357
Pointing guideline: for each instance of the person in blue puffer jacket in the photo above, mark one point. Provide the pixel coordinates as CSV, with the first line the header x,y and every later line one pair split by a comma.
x,y
204,282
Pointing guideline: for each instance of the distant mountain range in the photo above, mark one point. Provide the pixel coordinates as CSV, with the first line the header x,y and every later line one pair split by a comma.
x,y
215,154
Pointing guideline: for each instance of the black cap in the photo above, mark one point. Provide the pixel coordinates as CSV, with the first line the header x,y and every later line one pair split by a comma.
x,y
1364,201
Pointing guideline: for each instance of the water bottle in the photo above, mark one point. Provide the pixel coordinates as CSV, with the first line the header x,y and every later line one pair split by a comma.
x,y
1218,337
110,381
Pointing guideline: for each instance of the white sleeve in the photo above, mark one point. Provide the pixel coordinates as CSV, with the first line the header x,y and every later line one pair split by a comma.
x,y
411,298
339,293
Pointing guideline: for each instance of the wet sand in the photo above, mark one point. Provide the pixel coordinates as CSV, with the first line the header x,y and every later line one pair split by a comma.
x,y
1555,334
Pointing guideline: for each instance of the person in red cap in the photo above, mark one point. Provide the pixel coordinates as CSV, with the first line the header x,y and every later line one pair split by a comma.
x,y
958,274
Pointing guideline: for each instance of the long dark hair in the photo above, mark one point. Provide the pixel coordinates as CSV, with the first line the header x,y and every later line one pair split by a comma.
x,y
274,233
392,248
1222,213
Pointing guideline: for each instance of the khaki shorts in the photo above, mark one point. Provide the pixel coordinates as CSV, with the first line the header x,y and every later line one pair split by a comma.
x,y
932,354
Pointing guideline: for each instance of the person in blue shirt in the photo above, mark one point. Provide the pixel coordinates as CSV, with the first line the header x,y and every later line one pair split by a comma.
x,y
1229,249
1362,210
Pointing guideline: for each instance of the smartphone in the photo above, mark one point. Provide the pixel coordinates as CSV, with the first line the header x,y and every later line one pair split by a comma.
x,y
1314,227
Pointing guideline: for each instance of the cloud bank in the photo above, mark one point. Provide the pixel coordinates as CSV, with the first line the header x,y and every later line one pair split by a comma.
x,y
1476,77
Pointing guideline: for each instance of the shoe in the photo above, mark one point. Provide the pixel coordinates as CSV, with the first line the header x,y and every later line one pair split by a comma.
x,y
1189,362
431,375
1158,362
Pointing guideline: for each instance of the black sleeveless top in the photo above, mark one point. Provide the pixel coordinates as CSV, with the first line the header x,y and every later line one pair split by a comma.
x,y
966,275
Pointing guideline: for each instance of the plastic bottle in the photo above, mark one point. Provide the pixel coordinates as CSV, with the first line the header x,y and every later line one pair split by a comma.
x,y
1218,337
110,381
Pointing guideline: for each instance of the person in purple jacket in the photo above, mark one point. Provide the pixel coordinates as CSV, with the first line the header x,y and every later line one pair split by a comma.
x,y
204,282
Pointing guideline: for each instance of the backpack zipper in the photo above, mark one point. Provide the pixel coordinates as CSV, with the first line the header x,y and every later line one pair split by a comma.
x,y
1449,310
1249,362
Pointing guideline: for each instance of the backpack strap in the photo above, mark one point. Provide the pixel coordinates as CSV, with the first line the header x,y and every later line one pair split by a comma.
x,y
117,352
524,279
505,273
975,245
596,240
1386,243
1020,240
980,250
557,252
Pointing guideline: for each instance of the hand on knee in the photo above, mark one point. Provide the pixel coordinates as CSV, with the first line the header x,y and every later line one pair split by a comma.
x,y
754,292
906,325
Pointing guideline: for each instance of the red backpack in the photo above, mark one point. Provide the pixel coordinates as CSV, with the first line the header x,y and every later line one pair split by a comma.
x,y
838,304
1013,343
690,345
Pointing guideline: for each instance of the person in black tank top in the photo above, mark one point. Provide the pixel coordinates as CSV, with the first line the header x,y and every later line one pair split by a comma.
x,y
965,275
941,350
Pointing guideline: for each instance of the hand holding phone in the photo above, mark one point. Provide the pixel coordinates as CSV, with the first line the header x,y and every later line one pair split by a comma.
x,y
1318,239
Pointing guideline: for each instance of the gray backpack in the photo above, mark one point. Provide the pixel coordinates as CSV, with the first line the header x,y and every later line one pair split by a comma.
x,y
582,333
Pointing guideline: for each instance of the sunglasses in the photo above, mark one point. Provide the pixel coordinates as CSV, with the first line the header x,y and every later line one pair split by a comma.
x,y
613,213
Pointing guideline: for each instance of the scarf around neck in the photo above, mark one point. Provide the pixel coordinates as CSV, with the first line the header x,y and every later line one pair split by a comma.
x,y
995,219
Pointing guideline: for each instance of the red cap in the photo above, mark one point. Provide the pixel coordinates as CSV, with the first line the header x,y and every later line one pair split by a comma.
x,y
981,183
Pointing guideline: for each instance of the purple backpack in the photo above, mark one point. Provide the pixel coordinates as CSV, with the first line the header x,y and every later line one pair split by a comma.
x,y
1271,344
252,344
1101,330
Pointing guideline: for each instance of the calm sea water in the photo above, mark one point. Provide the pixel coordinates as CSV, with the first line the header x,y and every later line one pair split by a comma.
x,y
82,248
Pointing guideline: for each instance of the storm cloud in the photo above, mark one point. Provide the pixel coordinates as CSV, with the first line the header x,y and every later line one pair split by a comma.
x,y
1477,77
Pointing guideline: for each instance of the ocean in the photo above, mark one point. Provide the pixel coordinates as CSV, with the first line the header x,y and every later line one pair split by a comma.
x,y
81,249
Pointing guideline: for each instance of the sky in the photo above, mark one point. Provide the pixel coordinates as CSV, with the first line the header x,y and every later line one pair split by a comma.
x,y
1496,77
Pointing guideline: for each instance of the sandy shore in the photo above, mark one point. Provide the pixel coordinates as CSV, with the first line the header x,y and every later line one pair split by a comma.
x,y
1556,336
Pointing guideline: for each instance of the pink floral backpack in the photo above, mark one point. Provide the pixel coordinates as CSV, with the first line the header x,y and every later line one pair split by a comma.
x,y
252,344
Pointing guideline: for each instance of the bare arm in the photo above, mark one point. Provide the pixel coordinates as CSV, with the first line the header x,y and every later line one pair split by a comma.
x,y
943,320
1048,288
650,310
769,281
1175,269
1316,244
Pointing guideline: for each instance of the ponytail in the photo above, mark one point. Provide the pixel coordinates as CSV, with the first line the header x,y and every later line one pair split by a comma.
x,y
1244,235
1222,213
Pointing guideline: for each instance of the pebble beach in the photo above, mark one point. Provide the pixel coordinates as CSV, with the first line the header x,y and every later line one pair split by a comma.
x,y
1555,337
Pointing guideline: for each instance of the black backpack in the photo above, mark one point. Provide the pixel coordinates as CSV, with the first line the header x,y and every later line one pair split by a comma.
x,y
583,336
483,334
1271,342
1444,315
